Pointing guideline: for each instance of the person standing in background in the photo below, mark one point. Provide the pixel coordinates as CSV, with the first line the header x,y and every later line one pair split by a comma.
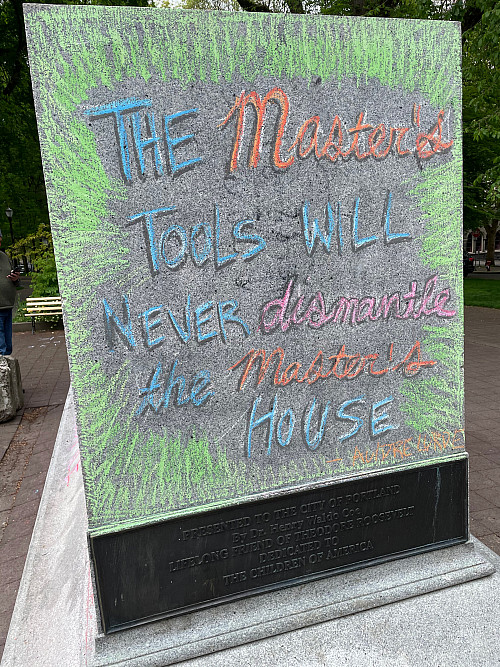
x,y
9,279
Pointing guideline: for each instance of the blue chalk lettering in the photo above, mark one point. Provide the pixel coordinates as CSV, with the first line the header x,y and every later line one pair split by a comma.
x,y
172,143
148,326
149,391
202,320
199,260
218,259
185,334
254,423
358,422
182,236
291,423
148,216
331,221
228,316
357,242
201,380
389,236
117,109
141,144
377,419
172,382
321,431
241,236
310,236
111,318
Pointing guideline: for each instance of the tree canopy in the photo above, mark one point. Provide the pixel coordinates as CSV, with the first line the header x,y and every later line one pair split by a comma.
x,y
21,179
22,186
481,95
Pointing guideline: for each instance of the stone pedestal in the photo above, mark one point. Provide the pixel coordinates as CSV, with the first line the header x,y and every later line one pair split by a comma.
x,y
434,609
11,388
265,340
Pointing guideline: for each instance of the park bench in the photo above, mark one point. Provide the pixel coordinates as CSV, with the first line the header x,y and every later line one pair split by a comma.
x,y
38,307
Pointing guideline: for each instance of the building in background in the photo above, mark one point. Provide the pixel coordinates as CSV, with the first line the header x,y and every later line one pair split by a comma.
x,y
475,242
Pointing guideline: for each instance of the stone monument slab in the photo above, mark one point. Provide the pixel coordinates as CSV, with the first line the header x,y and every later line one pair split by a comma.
x,y
257,225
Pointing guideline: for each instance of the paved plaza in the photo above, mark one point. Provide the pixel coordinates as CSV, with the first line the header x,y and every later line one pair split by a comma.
x,y
26,445
26,442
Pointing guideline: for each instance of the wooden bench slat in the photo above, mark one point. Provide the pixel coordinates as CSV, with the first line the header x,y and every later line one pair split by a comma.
x,y
42,306
44,312
44,303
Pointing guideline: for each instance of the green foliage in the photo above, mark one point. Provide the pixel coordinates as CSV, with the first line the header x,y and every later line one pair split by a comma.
x,y
22,186
481,72
21,178
20,313
415,9
481,190
223,5
40,250
37,245
44,281
481,80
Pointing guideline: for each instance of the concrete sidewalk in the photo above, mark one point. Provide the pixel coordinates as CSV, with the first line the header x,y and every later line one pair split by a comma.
x,y
26,445
29,440
482,422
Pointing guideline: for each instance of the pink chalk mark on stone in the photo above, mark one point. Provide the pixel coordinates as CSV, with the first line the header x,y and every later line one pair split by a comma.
x,y
74,462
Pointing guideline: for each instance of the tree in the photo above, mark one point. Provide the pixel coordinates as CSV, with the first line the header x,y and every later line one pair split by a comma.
x,y
481,193
22,186
481,77
221,5
21,177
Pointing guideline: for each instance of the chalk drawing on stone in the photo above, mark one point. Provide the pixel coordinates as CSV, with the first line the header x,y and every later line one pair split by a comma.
x,y
257,227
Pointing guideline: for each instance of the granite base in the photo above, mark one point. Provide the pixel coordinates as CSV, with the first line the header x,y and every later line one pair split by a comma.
x,y
419,610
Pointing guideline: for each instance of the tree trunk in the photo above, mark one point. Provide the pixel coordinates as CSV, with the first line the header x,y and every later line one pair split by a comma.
x,y
491,231
295,7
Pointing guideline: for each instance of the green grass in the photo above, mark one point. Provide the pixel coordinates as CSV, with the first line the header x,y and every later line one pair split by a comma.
x,y
478,292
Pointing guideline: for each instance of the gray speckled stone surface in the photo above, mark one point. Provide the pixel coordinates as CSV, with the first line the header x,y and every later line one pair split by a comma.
x,y
173,276
374,616
257,226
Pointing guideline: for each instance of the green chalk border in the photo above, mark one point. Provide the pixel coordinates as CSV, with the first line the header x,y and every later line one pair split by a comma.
x,y
72,56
